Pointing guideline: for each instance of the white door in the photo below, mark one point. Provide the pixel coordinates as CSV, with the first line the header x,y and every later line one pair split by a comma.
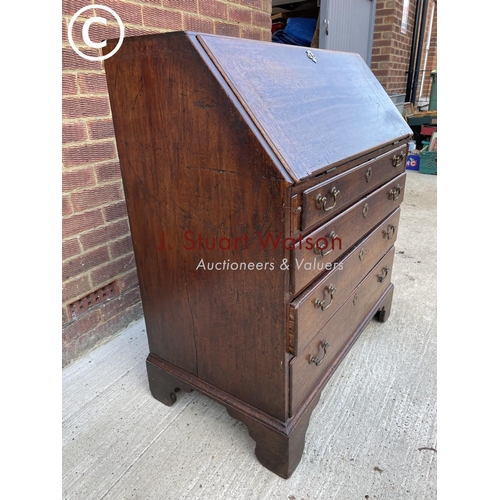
x,y
347,25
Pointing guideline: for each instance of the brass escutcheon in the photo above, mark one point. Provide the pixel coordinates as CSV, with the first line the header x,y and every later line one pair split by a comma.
x,y
368,174
316,359
365,210
311,56
318,303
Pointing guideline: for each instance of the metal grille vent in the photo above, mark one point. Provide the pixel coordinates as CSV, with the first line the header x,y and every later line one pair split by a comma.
x,y
101,295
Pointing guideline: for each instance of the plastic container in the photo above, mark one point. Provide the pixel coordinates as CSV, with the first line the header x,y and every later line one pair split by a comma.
x,y
428,161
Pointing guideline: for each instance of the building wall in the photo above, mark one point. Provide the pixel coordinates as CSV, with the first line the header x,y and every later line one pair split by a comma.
x,y
100,293
391,48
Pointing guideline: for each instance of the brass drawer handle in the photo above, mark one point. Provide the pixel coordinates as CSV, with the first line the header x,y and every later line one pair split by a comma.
x,y
355,299
385,272
321,303
321,249
397,159
389,232
321,201
362,253
368,174
316,359
395,192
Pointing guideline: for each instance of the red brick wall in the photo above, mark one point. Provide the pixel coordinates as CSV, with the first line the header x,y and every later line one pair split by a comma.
x,y
96,243
391,48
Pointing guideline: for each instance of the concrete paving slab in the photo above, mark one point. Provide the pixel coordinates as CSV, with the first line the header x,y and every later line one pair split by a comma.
x,y
372,435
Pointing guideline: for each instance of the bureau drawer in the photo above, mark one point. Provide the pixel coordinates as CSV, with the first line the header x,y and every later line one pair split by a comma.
x,y
323,351
327,199
312,309
314,254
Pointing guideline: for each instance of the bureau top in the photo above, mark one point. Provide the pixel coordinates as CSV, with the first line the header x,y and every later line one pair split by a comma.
x,y
315,109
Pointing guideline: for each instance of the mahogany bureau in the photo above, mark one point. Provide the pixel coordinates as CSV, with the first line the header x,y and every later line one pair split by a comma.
x,y
262,184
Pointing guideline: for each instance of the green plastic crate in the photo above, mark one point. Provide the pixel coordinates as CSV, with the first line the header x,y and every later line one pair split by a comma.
x,y
428,162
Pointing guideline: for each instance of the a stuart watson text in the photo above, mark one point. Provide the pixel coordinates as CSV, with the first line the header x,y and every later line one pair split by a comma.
x,y
271,241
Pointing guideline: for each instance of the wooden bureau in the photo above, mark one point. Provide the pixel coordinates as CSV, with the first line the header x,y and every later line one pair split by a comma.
x,y
263,184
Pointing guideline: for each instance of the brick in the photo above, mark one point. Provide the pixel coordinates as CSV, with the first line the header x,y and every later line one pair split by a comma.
x,y
197,24
66,206
261,19
70,7
119,304
77,179
115,211
104,234
129,13
255,4
74,289
65,316
84,107
85,262
74,132
135,31
108,171
64,30
89,153
112,270
384,12
128,280
213,8
81,325
85,340
100,195
81,222
70,248
121,247
265,35
377,58
227,29
250,32
69,84
72,61
92,83
160,18
240,15
101,129
184,5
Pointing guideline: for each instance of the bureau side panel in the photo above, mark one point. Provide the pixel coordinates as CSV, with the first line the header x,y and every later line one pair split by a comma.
x,y
200,189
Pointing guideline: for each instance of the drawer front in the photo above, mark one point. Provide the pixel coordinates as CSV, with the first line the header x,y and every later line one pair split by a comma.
x,y
307,368
316,254
322,202
312,309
